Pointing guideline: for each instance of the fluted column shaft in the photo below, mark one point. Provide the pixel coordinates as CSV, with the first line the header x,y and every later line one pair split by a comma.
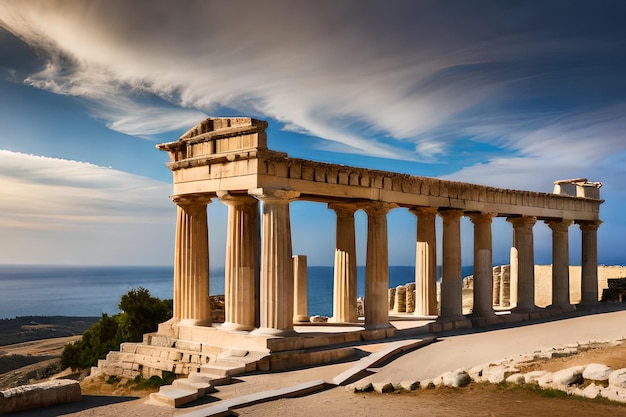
x,y
277,289
589,268
523,242
451,276
345,275
483,264
377,266
191,261
240,268
426,262
560,262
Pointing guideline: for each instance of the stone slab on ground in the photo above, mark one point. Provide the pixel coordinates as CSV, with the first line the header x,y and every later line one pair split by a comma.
x,y
44,394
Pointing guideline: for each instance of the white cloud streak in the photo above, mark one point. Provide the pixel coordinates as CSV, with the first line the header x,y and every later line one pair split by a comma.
x,y
54,194
366,75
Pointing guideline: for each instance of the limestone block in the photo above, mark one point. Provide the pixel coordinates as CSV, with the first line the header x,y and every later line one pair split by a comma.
x,y
44,394
400,301
456,379
392,298
410,385
592,391
383,387
477,373
318,319
618,378
569,376
545,381
495,374
533,376
410,298
437,381
597,372
363,387
515,379
427,384
614,393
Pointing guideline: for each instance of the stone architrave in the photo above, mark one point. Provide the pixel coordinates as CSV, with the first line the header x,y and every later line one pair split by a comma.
x,y
451,275
191,261
589,268
240,269
276,283
345,277
560,263
300,304
377,266
426,261
523,242
483,276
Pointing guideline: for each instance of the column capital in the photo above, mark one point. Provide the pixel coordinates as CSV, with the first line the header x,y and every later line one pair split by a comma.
x,y
424,211
191,200
343,209
235,199
273,195
482,218
375,208
589,225
525,222
559,225
451,214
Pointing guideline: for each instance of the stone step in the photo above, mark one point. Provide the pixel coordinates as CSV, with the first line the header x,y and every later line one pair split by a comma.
x,y
202,388
225,407
174,396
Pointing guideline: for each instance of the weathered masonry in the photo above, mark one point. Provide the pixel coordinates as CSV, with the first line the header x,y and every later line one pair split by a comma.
x,y
228,159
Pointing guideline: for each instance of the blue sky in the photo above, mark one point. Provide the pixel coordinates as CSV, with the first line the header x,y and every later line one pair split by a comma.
x,y
509,94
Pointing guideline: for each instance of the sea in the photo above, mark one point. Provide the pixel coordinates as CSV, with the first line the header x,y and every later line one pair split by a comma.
x,y
90,291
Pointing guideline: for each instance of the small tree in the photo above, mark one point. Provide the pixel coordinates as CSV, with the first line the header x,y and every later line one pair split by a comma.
x,y
141,314
101,338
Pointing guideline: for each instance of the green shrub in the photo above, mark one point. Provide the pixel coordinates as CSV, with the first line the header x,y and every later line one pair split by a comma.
x,y
141,313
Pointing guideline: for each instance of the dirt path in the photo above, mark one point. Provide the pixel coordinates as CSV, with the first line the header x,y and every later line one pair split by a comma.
x,y
45,347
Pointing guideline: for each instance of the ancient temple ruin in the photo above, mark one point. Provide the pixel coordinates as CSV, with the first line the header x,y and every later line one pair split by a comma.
x,y
227,159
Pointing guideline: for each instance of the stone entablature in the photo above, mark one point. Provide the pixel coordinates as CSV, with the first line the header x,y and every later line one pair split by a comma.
x,y
234,157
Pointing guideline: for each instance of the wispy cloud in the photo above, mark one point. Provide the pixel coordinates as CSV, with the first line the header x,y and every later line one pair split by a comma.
x,y
436,78
54,194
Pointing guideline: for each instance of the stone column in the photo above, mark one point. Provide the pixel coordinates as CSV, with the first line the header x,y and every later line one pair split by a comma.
x,y
240,276
483,265
505,286
276,283
377,266
589,269
426,262
514,276
300,305
560,263
523,243
191,261
452,276
497,281
345,278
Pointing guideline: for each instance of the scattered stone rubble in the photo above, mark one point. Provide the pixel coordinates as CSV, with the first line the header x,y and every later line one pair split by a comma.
x,y
590,381
616,291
